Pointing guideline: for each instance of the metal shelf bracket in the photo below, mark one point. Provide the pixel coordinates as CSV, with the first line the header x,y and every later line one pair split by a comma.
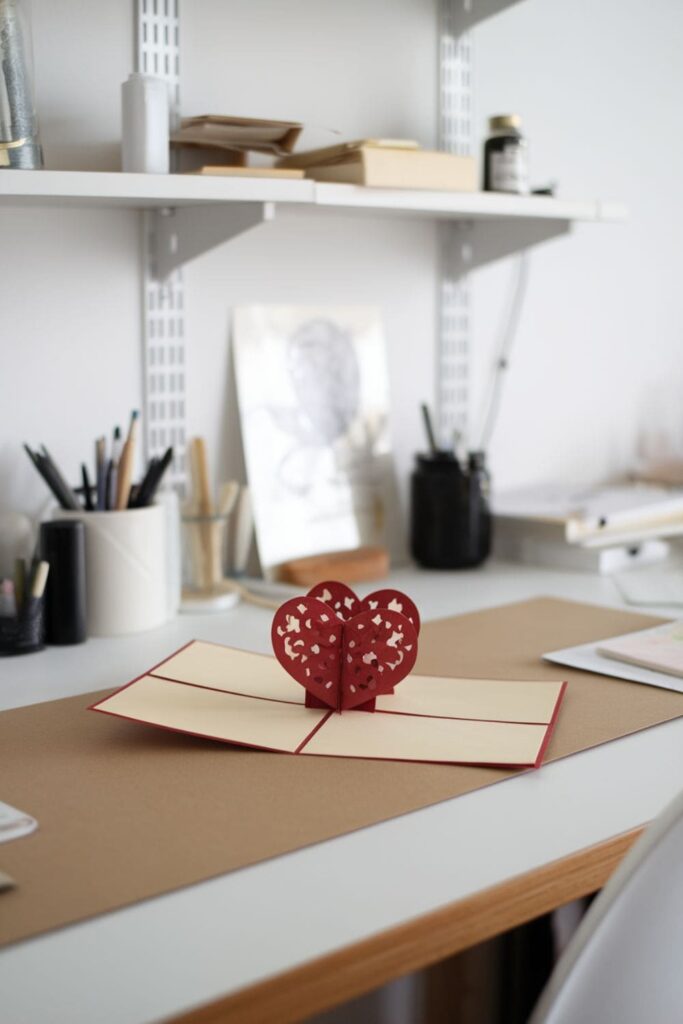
x,y
180,234
456,132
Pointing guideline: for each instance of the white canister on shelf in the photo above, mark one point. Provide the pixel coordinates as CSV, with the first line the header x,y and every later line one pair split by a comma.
x,y
145,125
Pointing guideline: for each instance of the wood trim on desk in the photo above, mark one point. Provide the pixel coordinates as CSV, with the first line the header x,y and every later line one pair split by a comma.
x,y
350,972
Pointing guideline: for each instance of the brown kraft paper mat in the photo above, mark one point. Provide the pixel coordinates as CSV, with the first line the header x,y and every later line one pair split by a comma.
x,y
127,812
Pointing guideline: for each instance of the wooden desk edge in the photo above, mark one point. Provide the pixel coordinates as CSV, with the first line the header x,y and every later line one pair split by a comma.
x,y
337,977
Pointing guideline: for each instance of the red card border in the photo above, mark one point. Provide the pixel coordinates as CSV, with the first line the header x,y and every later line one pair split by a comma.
x,y
550,727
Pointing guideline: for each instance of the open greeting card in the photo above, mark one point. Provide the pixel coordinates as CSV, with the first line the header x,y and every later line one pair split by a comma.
x,y
332,690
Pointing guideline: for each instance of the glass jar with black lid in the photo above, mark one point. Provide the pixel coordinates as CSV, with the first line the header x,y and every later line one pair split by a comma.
x,y
506,159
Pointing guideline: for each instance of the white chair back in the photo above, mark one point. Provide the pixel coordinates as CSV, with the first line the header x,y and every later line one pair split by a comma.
x,y
625,962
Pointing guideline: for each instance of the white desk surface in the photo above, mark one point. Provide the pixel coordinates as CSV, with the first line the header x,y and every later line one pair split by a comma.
x,y
167,955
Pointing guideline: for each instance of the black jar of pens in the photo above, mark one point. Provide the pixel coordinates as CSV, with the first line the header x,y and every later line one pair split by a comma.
x,y
450,514
23,631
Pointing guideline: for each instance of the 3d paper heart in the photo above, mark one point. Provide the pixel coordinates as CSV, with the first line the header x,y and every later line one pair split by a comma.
x,y
344,658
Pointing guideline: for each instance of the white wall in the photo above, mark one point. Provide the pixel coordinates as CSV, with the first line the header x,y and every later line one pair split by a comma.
x,y
598,366
598,358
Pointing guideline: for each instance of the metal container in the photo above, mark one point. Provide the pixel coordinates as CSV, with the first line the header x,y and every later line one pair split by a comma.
x,y
19,141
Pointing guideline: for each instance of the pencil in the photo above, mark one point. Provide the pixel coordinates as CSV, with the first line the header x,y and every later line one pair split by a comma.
x,y
205,509
201,467
124,475
133,427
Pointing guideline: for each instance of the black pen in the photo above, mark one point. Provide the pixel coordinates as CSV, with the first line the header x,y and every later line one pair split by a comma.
x,y
43,468
71,501
139,500
162,465
108,484
86,488
429,430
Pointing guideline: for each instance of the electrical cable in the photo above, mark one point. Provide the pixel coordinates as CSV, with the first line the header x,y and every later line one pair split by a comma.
x,y
508,334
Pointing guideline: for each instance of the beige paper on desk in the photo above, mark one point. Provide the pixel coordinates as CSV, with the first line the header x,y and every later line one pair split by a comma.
x,y
146,790
239,697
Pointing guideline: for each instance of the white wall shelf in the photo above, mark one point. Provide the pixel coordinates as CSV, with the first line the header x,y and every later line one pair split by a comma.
x,y
196,213
464,205
154,191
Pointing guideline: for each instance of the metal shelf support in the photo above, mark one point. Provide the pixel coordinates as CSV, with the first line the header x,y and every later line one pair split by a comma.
x,y
455,239
183,233
157,52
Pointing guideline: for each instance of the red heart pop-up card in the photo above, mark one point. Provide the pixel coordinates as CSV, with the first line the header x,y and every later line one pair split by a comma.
x,y
346,651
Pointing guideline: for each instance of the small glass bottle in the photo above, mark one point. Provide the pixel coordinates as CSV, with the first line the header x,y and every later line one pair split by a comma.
x,y
506,158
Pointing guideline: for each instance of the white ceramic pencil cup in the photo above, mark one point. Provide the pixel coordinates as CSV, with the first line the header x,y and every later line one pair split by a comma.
x,y
125,569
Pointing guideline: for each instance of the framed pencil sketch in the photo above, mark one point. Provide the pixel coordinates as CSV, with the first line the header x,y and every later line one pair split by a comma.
x,y
314,409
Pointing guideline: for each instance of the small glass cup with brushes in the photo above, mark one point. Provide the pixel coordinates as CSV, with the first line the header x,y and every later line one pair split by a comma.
x,y
205,528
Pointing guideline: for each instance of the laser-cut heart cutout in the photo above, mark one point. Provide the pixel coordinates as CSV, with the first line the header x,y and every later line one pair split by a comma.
x,y
345,603
343,664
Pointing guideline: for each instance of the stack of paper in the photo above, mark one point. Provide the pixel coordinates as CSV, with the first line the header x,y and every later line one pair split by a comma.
x,y
218,145
659,649
652,656
387,163
248,699
601,529
238,134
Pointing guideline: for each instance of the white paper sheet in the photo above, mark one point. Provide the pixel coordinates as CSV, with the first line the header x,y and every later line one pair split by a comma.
x,y
586,657
313,392
14,823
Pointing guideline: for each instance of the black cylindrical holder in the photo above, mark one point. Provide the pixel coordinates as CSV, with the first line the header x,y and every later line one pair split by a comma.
x,y
24,633
450,516
62,544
